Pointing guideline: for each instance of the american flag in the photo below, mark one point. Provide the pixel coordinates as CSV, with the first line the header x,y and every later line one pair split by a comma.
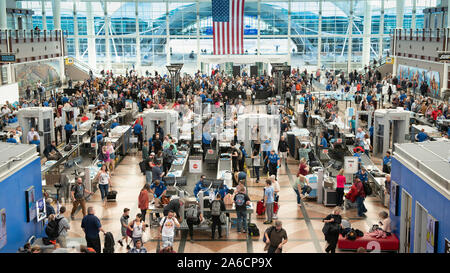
x,y
228,26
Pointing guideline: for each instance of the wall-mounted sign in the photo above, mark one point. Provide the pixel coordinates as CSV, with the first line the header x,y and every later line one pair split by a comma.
x,y
444,56
350,164
7,58
390,60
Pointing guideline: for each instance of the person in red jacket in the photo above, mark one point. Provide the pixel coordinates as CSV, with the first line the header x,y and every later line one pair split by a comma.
x,y
143,200
361,195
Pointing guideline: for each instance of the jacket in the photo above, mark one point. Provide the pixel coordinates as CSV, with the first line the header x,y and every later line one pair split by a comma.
x,y
360,189
143,199
352,194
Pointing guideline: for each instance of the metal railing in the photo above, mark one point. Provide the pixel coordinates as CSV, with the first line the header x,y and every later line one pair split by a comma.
x,y
86,67
31,34
420,34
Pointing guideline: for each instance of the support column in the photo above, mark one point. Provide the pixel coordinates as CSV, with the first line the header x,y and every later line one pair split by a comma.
x,y
44,16
107,42
380,41
350,32
258,41
414,11
92,51
400,6
56,6
138,39
289,34
366,34
319,39
198,36
3,16
448,14
75,31
168,51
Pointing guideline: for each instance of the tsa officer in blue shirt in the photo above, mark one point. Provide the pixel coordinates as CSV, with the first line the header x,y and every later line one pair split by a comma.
x,y
323,142
137,129
362,175
387,162
69,131
274,163
114,124
199,186
421,136
11,139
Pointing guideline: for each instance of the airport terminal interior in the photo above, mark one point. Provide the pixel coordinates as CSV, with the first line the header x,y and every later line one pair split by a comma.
x,y
224,126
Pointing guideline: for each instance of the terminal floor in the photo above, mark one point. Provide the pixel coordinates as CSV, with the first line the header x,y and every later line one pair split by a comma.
x,y
303,225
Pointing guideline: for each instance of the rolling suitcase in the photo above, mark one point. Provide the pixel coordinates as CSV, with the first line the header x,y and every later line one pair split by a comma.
x,y
111,197
260,208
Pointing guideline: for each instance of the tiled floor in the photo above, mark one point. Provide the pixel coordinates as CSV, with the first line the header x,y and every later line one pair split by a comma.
x,y
304,228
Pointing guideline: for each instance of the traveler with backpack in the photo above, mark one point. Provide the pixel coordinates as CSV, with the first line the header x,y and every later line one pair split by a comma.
x,y
52,229
167,229
242,156
138,248
193,217
91,226
241,200
168,158
77,196
275,238
268,201
63,227
136,228
217,209
331,229
124,227
361,195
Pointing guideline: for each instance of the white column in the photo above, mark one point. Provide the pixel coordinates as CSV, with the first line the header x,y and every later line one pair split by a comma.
x,y
92,51
168,60
3,16
319,39
380,41
138,39
448,14
198,36
44,16
289,34
413,19
107,43
75,31
366,34
400,6
56,6
349,37
258,41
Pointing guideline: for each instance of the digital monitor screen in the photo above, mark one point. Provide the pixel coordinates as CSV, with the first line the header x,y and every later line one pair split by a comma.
x,y
217,183
40,210
207,182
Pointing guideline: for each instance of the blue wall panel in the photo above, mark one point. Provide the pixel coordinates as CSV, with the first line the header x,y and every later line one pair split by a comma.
x,y
12,198
435,203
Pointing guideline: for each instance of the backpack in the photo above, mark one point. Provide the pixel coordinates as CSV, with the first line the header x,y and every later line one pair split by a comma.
x,y
191,213
240,200
109,243
215,208
253,230
268,231
367,188
351,235
52,229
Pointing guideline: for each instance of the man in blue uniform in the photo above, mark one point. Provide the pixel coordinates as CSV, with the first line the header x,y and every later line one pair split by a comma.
x,y
274,163
387,162
137,129
421,136
199,186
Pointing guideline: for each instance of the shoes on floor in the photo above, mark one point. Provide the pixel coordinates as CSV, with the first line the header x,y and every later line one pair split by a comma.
x,y
128,247
267,222
120,242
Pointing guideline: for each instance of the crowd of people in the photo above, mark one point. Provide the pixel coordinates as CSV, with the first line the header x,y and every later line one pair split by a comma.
x,y
111,93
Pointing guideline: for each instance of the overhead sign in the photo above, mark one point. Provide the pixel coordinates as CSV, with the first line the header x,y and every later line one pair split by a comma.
x,y
69,61
444,56
7,58
390,60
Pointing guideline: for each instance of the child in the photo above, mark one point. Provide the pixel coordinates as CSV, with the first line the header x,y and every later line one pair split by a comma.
x,y
124,226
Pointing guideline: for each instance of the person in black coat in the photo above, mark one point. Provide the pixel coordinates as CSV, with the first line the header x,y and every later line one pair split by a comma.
x,y
331,229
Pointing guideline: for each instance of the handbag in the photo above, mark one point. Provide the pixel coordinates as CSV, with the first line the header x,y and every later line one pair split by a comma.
x,y
223,218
